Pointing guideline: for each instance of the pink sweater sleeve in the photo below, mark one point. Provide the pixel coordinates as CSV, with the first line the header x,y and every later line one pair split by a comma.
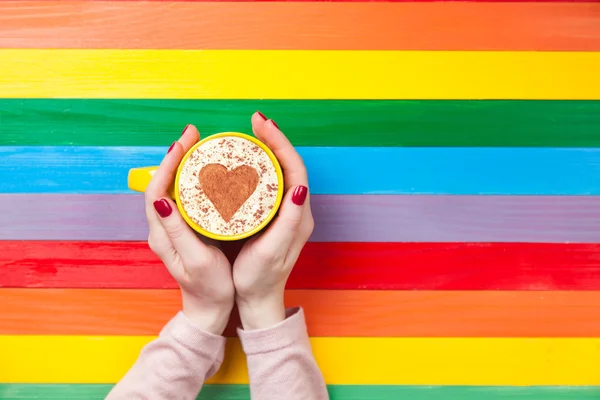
x,y
280,361
174,366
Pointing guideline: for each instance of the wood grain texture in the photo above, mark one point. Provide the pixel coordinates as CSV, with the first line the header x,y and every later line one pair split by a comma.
x,y
363,218
361,1
332,170
117,122
300,26
428,361
347,313
345,266
336,392
299,74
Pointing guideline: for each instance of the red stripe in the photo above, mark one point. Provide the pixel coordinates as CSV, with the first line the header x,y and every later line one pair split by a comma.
x,y
359,1
374,266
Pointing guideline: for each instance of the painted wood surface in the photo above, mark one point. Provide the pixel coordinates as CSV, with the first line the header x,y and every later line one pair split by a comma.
x,y
301,26
429,361
457,304
299,74
360,1
118,122
336,392
340,266
347,313
361,218
332,170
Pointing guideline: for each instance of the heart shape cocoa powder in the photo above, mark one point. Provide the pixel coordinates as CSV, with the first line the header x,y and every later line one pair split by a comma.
x,y
228,190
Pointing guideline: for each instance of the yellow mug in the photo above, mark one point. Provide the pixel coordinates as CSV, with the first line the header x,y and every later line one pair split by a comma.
x,y
139,178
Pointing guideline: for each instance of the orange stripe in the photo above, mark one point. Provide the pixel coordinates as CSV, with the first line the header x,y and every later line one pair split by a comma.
x,y
329,312
292,25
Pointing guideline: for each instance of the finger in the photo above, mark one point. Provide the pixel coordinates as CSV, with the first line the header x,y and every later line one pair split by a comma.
x,y
165,174
284,229
162,180
293,167
258,119
163,177
184,240
159,187
189,137
158,239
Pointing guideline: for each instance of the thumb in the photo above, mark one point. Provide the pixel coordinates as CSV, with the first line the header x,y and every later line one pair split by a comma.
x,y
181,235
284,229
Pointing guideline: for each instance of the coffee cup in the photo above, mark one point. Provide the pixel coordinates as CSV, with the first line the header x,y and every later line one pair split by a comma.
x,y
228,186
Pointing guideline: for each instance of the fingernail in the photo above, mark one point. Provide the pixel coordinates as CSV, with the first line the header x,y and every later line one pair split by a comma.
x,y
185,129
275,123
163,208
171,148
299,195
262,115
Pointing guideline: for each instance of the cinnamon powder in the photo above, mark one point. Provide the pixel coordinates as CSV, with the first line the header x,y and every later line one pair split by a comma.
x,y
227,189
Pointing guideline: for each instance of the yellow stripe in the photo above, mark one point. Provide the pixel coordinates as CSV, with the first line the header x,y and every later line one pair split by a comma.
x,y
239,74
411,361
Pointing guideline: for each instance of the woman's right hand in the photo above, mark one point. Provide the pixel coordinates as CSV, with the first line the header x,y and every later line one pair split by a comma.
x,y
264,264
202,270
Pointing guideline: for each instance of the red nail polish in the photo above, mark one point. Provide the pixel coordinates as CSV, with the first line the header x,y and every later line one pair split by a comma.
x,y
163,208
299,195
185,129
262,115
171,148
275,123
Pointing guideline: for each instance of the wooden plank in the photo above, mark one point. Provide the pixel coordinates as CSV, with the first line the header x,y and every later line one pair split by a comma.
x,y
361,1
343,266
299,74
427,361
388,218
487,123
336,392
349,313
332,170
300,26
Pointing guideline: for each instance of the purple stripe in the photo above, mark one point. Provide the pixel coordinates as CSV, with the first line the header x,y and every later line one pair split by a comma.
x,y
362,218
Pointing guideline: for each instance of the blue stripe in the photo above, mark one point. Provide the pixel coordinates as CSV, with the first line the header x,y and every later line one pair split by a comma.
x,y
332,170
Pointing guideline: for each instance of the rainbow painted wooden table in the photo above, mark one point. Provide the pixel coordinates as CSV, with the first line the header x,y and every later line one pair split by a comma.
x,y
454,156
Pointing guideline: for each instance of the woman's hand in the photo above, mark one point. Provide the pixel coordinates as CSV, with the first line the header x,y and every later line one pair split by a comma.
x,y
264,264
201,269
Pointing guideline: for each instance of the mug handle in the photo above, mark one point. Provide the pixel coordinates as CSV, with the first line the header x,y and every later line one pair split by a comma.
x,y
139,178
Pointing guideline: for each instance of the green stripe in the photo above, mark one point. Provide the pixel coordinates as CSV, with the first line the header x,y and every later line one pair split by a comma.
x,y
307,123
240,392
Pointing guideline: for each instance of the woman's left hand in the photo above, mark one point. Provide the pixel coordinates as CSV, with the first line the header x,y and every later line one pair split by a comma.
x,y
265,261
202,270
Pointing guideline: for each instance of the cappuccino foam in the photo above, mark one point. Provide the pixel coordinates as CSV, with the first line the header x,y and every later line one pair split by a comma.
x,y
231,152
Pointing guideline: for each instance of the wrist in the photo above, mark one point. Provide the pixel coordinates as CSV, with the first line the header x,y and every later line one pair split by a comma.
x,y
210,318
261,313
